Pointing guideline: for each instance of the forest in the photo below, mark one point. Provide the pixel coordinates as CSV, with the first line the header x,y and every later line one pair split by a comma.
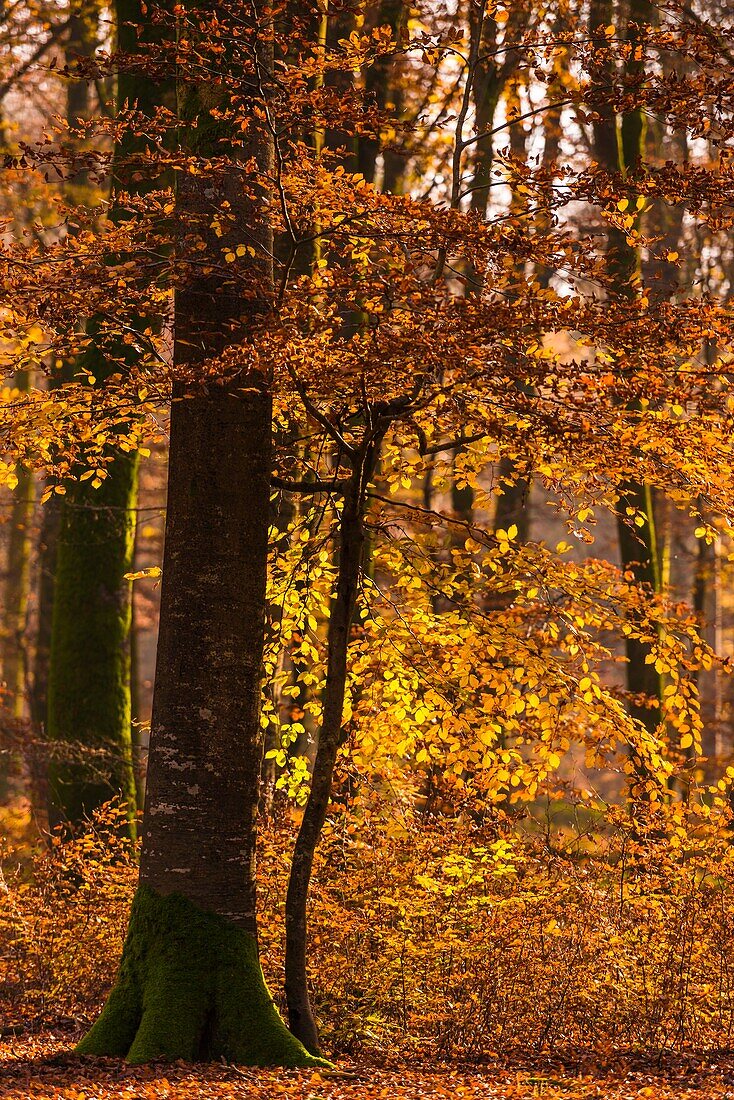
x,y
366,549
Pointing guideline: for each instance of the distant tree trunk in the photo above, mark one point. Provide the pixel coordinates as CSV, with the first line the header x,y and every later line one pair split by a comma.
x,y
190,984
487,84
618,152
14,656
552,133
89,675
512,503
89,712
135,708
81,43
37,755
17,585
381,84
340,23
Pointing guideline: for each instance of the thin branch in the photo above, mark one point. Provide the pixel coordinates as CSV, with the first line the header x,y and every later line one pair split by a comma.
x,y
454,445
514,121
30,61
314,411
310,488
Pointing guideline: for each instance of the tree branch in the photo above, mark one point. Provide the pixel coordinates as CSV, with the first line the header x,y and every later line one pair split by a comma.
x,y
310,487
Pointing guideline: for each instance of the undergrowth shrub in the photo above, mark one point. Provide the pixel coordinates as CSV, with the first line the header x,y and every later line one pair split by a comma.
x,y
63,917
459,939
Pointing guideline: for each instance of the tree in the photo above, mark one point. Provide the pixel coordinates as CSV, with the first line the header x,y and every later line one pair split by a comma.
x,y
88,686
490,695
620,154
190,984
17,584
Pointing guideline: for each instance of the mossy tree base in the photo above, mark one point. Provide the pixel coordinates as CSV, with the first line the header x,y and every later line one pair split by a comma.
x,y
190,986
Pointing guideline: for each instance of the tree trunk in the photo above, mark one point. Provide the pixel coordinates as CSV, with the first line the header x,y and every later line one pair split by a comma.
x,y
37,752
89,674
88,720
351,547
381,83
618,153
190,984
17,585
512,503
340,23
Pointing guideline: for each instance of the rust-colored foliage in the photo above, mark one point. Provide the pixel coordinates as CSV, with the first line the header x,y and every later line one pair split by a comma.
x,y
435,937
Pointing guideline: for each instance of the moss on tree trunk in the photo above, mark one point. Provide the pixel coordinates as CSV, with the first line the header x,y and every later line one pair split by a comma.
x,y
190,986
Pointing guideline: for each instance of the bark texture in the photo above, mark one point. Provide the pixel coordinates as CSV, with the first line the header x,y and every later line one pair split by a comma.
x,y
204,766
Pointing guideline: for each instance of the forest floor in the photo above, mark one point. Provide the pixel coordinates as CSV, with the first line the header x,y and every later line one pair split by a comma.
x,y
41,1066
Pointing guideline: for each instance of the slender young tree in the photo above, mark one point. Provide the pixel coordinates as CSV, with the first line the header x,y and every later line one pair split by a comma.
x,y
351,540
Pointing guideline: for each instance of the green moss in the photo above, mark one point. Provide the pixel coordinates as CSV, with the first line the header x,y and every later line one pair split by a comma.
x,y
190,986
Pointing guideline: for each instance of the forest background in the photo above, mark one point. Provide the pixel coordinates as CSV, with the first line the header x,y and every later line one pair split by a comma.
x,y
479,258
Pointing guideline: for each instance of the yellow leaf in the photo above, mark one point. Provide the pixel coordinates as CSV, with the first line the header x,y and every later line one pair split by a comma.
x,y
153,571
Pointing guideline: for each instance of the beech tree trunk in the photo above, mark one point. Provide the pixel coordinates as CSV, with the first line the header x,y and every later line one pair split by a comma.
x,y
37,751
190,984
89,674
381,84
17,585
88,718
18,581
81,42
618,152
